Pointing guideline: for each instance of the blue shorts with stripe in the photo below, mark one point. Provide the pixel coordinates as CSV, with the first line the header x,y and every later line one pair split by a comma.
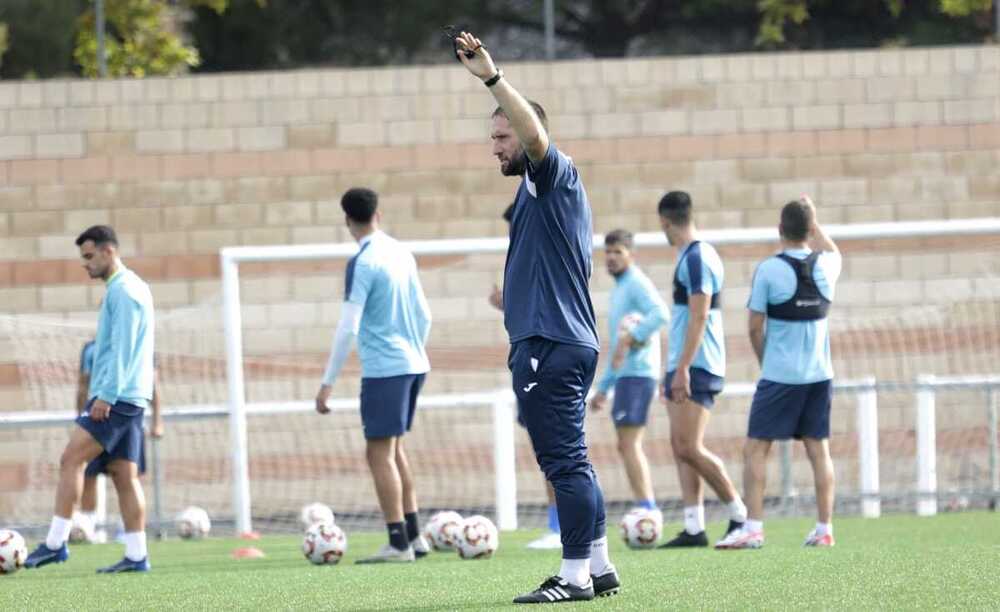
x,y
388,404
120,435
633,395
704,386
780,411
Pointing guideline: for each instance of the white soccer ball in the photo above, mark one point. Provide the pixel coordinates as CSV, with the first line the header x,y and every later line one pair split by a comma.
x,y
629,323
478,538
641,528
82,530
193,523
13,552
324,544
315,513
442,530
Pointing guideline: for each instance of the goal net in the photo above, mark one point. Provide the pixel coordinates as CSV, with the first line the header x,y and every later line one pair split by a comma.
x,y
906,308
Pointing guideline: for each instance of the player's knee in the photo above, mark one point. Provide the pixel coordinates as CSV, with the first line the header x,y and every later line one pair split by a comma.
x,y
685,449
71,460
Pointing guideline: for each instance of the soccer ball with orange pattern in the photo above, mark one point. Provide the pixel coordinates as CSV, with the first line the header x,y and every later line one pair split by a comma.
x,y
324,544
12,551
478,538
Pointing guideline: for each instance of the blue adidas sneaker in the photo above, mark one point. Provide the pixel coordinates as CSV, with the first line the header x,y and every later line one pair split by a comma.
x,y
43,555
126,565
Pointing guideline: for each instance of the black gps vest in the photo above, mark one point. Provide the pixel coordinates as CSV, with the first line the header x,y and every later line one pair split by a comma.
x,y
680,291
808,304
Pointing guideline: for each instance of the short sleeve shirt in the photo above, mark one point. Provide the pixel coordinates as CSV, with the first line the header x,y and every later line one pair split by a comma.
x,y
699,270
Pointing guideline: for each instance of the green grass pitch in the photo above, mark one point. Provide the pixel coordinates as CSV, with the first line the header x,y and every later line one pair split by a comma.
x,y
897,562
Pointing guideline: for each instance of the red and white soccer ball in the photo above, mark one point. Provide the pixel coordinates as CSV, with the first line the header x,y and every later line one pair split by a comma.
x,y
315,513
193,523
629,323
641,528
82,530
13,552
324,544
443,530
478,538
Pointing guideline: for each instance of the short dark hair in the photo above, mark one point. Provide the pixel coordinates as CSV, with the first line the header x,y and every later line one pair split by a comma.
x,y
621,237
508,213
535,106
676,206
359,204
796,219
100,235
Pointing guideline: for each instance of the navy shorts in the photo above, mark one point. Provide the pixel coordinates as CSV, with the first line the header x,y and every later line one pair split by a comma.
x,y
633,395
120,435
388,404
781,411
704,386
100,464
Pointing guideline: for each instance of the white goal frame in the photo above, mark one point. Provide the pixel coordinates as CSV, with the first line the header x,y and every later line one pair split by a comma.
x,y
232,257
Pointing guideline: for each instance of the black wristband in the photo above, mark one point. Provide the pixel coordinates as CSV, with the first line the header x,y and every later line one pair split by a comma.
x,y
490,82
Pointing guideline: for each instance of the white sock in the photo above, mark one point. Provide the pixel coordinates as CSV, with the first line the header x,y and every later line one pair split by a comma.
x,y
575,571
754,526
694,519
90,516
59,530
600,562
824,529
135,545
737,510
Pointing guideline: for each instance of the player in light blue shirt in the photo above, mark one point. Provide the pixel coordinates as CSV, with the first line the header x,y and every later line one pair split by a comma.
x,y
120,389
696,365
634,321
789,301
385,308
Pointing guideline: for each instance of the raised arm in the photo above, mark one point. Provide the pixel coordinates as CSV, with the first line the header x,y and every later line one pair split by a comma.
x,y
523,119
819,240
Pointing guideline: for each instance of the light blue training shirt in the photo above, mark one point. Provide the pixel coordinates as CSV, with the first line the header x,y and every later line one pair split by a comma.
x,y
123,347
395,321
795,352
699,270
635,293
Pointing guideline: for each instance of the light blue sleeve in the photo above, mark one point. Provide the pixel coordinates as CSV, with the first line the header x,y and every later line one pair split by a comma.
x,y
653,309
423,308
758,290
126,324
696,275
359,280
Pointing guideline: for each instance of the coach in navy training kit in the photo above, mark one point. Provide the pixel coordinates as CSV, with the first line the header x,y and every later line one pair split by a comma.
x,y
551,323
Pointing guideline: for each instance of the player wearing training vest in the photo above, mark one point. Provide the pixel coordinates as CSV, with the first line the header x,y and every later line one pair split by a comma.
x,y
789,301
121,388
696,370
551,324
634,367
385,308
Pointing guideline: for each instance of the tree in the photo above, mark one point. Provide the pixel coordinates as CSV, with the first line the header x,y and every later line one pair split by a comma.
x,y
34,26
141,39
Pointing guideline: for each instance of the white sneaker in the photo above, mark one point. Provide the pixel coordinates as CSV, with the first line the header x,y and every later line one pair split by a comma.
x,y
420,547
741,538
549,541
390,554
821,541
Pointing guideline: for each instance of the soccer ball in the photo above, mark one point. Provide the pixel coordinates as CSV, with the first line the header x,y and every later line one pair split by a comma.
x,y
629,323
641,528
315,513
324,544
82,530
12,551
193,523
478,538
442,530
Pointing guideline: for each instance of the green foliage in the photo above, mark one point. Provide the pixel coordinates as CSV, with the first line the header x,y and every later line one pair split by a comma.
x,y
3,41
774,14
40,37
139,40
962,8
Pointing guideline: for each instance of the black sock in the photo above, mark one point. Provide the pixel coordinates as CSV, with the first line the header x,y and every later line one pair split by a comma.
x,y
397,536
412,526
